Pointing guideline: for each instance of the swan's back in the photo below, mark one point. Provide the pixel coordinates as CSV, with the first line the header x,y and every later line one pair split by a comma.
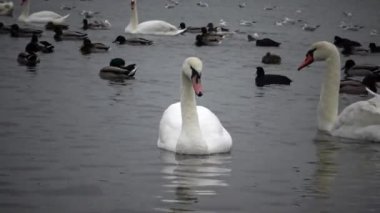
x,y
360,120
214,134
157,27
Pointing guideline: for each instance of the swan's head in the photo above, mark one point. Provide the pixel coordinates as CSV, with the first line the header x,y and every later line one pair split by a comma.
x,y
133,4
192,69
319,51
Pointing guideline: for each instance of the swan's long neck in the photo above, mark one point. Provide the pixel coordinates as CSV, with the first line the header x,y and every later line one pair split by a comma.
x,y
134,20
329,97
25,10
191,135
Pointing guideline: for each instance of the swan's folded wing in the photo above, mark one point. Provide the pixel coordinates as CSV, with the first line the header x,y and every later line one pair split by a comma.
x,y
217,137
170,127
360,120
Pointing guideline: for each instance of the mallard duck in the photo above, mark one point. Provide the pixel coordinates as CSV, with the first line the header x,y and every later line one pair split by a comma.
x,y
352,69
68,35
28,59
51,26
266,79
89,47
132,41
351,50
118,70
17,31
34,46
271,59
96,25
355,87
187,29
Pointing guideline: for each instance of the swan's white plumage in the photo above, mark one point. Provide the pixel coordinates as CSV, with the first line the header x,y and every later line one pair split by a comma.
x,y
360,120
189,129
40,17
153,27
215,135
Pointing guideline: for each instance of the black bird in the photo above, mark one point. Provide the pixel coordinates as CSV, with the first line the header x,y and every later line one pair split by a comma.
x,y
265,42
34,46
266,79
341,42
374,48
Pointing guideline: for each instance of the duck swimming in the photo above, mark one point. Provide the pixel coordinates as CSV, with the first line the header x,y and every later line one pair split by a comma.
x,y
68,35
17,31
356,87
374,48
118,70
265,42
271,59
89,47
96,25
28,59
34,46
352,69
132,41
263,79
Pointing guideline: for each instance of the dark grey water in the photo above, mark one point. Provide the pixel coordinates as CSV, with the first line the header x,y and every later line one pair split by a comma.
x,y
73,142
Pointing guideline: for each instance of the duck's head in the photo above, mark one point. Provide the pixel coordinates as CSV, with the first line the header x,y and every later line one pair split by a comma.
x,y
119,39
260,71
319,51
182,25
192,69
86,42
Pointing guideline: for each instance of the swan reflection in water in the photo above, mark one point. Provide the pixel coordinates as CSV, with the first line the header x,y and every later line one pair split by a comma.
x,y
188,177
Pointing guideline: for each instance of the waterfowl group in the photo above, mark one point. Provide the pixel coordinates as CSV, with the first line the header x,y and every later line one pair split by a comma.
x,y
186,128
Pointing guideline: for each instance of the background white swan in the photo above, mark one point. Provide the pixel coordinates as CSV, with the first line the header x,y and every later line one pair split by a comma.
x,y
186,128
360,120
153,27
39,17
6,8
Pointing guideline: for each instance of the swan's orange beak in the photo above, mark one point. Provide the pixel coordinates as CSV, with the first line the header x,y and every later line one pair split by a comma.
x,y
308,60
197,86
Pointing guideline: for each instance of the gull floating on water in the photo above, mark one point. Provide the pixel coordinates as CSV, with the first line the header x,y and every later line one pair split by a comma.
x,y
310,28
202,4
246,23
242,4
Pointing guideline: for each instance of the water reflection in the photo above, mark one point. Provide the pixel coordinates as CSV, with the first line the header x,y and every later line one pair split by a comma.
x,y
326,167
187,178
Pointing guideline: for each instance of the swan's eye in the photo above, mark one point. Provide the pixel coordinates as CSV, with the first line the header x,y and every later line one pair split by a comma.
x,y
195,73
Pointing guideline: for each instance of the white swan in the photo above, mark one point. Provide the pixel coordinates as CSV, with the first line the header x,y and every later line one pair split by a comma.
x,y
39,17
360,120
153,27
6,8
186,128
